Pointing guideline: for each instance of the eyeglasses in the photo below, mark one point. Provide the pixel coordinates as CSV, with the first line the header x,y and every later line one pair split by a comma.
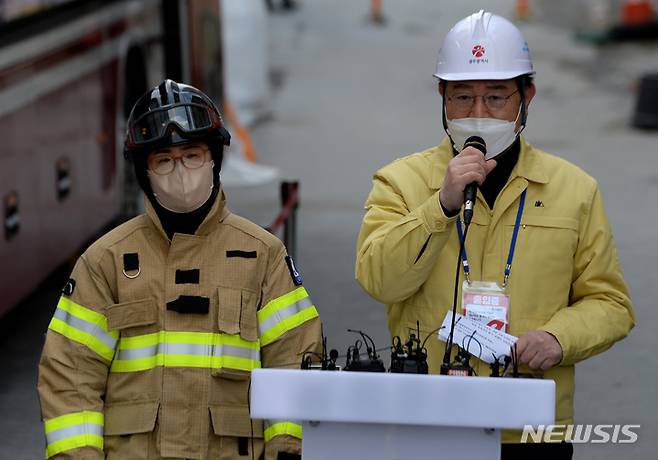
x,y
493,102
164,163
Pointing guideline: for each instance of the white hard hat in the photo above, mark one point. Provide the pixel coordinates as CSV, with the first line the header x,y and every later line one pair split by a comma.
x,y
483,46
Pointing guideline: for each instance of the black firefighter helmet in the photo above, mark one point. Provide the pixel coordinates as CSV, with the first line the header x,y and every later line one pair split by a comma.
x,y
173,113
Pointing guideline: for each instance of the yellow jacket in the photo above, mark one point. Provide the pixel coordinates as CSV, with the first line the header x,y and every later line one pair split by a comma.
x,y
150,349
565,278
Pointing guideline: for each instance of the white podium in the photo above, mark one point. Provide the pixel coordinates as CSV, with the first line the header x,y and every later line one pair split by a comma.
x,y
377,416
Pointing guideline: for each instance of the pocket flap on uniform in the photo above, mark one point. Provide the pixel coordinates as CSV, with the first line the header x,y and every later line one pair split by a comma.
x,y
131,314
551,222
234,421
130,418
249,316
229,306
237,312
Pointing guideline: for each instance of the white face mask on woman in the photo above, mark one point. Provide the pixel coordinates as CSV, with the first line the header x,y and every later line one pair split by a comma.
x,y
498,134
183,190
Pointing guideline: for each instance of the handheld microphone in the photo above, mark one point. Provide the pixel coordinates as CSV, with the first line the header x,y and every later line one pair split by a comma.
x,y
471,189
447,368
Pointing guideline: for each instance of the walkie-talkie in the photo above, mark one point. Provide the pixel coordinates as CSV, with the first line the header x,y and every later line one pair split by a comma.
x,y
354,362
461,366
327,363
410,358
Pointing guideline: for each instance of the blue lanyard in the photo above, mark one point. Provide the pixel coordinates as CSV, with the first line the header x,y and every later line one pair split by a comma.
x,y
510,256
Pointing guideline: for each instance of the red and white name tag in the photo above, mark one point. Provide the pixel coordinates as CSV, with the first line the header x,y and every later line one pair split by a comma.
x,y
486,303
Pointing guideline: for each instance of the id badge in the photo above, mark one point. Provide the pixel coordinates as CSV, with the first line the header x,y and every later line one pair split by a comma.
x,y
486,303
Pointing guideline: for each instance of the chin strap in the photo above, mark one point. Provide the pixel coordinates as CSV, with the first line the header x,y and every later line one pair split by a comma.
x,y
442,85
520,83
444,120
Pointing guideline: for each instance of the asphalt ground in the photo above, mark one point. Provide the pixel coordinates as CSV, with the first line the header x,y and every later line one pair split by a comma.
x,y
351,97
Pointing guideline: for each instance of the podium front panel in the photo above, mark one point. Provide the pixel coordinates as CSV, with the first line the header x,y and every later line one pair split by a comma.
x,y
365,441
402,399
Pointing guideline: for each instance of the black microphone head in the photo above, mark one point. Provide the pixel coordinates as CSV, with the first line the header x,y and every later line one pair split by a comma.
x,y
476,142
333,354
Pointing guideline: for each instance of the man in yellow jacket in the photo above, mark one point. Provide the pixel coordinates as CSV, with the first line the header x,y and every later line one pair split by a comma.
x,y
561,281
150,349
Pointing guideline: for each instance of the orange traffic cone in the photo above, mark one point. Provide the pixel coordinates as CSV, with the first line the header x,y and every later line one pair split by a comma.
x,y
241,131
522,10
637,12
376,13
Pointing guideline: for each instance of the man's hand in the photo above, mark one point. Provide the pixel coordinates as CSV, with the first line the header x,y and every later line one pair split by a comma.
x,y
539,350
469,166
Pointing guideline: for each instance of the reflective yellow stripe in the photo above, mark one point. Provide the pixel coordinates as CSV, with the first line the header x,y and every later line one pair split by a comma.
x,y
74,442
287,324
281,302
283,428
164,360
98,338
74,418
185,349
71,431
284,313
81,337
201,338
82,312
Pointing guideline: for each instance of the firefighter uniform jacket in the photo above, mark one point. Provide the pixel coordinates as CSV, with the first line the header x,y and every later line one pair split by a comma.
x,y
150,349
565,278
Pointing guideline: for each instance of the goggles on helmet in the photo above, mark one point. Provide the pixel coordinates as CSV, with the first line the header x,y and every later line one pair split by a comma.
x,y
190,119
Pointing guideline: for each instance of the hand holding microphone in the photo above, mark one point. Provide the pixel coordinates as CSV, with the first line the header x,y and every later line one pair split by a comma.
x,y
465,172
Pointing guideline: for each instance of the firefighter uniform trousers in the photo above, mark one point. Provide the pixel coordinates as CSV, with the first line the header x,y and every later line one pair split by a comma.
x,y
149,352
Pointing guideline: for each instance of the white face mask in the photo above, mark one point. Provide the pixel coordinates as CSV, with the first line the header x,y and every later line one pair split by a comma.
x,y
183,190
498,135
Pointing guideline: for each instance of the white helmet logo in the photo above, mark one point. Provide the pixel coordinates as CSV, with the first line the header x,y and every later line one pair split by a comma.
x,y
478,51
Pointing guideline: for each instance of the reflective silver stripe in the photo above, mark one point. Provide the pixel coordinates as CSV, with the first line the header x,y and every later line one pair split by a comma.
x,y
237,352
285,313
85,326
187,349
136,353
75,430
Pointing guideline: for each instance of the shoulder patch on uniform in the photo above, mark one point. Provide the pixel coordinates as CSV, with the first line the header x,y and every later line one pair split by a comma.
x,y
69,287
294,274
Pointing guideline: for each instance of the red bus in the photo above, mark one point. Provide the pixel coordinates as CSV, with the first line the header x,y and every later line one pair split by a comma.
x,y
70,71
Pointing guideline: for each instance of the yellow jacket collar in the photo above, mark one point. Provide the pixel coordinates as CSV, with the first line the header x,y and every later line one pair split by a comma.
x,y
530,165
